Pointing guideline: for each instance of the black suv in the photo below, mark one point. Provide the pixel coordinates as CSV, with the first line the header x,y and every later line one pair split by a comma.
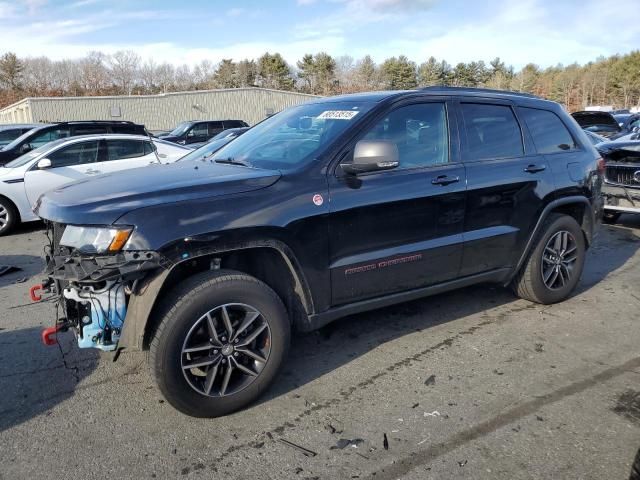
x,y
37,137
329,208
200,131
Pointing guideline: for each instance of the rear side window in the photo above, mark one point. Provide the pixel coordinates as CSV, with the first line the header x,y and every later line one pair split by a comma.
x,y
8,135
216,127
123,149
89,130
550,135
76,154
492,131
129,129
233,124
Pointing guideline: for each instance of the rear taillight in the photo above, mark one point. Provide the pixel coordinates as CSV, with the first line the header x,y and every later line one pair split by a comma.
x,y
601,165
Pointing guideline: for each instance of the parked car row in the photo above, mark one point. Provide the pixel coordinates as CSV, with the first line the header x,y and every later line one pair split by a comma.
x,y
608,125
621,188
43,157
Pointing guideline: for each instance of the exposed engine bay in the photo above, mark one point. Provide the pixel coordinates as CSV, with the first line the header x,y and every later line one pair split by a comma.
x,y
93,290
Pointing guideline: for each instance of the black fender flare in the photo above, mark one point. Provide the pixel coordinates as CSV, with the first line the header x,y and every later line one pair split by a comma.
x,y
146,294
588,225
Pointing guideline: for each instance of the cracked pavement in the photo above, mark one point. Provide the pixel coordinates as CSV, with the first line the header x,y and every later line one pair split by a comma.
x,y
471,384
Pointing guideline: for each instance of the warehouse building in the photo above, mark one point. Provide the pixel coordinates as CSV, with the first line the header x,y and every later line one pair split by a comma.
x,y
157,112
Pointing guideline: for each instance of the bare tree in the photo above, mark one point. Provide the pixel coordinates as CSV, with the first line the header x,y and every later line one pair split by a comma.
x,y
124,66
95,75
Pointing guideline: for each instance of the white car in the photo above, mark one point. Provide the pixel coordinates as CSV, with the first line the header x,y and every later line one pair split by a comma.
x,y
57,163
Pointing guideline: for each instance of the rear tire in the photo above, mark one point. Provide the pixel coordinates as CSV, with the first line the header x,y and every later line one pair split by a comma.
x,y
610,217
9,217
206,322
555,264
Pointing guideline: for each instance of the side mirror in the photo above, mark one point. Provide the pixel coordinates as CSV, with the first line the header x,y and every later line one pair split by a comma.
x,y
44,164
371,156
25,148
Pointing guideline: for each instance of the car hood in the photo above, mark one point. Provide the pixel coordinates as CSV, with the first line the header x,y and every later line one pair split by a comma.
x,y
620,151
103,199
590,119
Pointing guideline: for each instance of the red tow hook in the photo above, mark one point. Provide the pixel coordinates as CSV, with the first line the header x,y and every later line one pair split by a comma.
x,y
32,293
49,335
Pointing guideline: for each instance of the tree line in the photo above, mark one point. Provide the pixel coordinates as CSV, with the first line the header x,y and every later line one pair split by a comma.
x,y
605,81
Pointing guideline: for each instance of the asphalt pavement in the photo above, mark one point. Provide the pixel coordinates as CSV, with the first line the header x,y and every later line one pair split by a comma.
x,y
473,384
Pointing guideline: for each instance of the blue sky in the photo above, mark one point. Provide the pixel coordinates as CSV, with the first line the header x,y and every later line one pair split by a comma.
x,y
545,32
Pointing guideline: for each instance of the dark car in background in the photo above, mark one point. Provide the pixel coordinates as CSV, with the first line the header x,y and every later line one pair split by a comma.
x,y
200,131
41,135
329,208
221,139
602,123
621,189
8,133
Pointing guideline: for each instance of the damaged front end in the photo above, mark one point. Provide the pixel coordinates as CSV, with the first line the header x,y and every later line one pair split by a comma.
x,y
93,283
621,189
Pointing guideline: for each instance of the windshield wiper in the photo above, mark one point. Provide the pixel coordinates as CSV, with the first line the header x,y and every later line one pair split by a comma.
x,y
232,161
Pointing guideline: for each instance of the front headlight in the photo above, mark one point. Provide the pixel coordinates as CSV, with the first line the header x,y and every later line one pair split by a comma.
x,y
95,239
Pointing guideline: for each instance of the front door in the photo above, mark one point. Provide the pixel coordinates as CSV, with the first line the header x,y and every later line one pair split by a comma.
x,y
70,163
400,229
507,185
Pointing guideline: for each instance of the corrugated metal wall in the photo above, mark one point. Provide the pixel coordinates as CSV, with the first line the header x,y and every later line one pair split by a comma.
x,y
158,112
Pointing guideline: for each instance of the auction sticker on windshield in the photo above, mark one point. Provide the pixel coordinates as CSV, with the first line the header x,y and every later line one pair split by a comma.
x,y
338,114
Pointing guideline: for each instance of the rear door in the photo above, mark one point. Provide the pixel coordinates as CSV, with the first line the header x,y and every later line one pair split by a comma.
x,y
564,155
507,183
124,154
400,229
70,163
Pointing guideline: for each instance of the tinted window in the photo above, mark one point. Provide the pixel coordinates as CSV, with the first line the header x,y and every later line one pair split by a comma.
x,y
549,134
492,131
122,149
89,130
199,130
7,136
48,136
149,148
76,154
215,127
130,129
419,131
233,124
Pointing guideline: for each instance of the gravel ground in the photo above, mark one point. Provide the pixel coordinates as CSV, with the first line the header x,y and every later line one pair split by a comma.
x,y
473,384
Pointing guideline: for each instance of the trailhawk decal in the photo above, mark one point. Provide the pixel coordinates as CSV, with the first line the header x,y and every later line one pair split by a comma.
x,y
383,264
338,114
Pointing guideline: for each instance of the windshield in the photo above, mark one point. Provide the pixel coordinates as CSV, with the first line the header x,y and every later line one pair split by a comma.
x,y
293,137
20,139
208,149
180,129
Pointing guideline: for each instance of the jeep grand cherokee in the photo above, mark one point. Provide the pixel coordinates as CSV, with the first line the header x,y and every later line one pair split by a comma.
x,y
329,208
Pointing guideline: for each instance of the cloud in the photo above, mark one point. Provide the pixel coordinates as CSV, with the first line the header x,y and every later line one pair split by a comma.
x,y
7,10
236,12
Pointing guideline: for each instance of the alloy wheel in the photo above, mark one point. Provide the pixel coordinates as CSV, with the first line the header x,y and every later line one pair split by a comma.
x,y
558,260
225,350
4,216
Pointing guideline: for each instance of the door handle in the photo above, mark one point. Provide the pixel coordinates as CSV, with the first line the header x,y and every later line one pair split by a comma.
x,y
92,172
535,168
445,180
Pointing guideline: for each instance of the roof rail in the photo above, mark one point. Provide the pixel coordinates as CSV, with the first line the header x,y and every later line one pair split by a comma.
x,y
445,88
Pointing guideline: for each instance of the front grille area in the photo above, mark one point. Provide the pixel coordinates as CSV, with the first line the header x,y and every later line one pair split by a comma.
x,y
623,175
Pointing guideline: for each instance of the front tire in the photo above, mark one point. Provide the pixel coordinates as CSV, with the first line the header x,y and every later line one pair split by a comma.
x,y
555,265
221,341
9,217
